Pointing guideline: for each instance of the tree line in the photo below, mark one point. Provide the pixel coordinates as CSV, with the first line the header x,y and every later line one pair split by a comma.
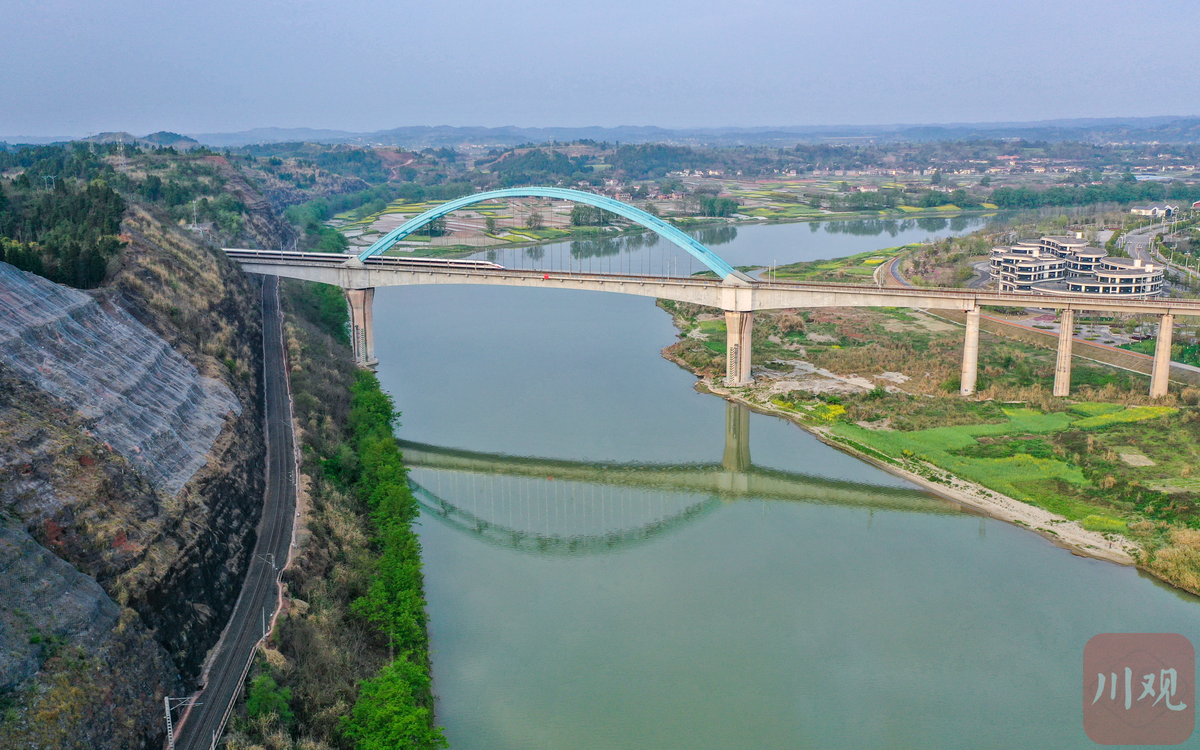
x,y
1123,191
394,709
67,234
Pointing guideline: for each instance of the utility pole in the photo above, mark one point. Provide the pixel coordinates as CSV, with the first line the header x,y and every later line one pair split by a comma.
x,y
189,702
269,559
170,728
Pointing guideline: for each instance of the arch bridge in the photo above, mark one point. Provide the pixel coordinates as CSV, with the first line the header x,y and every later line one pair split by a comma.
x,y
732,291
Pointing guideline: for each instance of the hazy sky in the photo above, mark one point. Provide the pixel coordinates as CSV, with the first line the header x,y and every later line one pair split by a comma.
x,y
74,67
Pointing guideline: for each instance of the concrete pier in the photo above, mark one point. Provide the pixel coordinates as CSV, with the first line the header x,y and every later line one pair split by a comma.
x,y
1062,367
362,326
1162,357
970,364
737,347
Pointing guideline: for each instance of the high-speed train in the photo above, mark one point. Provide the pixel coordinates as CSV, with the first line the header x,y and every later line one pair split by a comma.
x,y
393,260
336,259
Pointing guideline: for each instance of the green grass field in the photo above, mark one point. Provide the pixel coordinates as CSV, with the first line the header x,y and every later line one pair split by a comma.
x,y
851,269
1035,457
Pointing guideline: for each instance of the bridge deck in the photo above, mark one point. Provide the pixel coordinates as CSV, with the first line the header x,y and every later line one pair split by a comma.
x,y
347,271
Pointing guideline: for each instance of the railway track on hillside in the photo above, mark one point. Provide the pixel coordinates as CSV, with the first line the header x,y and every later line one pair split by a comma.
x,y
201,727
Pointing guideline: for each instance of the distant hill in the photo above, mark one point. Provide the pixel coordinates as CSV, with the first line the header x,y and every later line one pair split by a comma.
x,y
1097,130
162,138
1174,129
174,140
275,135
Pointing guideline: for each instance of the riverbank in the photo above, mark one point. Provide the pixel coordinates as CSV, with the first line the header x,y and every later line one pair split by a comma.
x,y
1067,534
348,659
1107,475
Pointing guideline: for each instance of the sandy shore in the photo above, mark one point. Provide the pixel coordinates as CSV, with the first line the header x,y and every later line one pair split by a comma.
x,y
1066,534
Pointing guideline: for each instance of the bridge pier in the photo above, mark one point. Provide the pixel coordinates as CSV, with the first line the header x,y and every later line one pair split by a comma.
x,y
970,364
1162,357
1062,365
738,326
362,326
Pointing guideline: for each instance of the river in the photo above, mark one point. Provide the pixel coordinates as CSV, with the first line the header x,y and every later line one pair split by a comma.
x,y
740,245
618,561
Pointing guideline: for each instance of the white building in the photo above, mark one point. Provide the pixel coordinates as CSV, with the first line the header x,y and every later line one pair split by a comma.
x,y
1067,265
1155,210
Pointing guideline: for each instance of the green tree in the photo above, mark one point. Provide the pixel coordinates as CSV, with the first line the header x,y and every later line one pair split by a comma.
x,y
713,206
151,189
582,215
934,198
332,241
435,228
386,715
960,198
490,224
266,697
534,220
325,305
230,222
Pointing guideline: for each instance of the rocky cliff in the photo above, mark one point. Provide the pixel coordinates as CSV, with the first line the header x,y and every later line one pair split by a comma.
x,y
131,457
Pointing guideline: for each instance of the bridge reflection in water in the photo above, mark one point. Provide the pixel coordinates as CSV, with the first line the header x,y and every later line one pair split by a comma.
x,y
555,507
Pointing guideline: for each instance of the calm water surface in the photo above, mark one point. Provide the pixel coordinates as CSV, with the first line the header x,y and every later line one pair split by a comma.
x,y
743,245
594,594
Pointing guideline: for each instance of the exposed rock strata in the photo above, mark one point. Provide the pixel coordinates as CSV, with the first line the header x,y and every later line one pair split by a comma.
x,y
101,675
136,393
170,563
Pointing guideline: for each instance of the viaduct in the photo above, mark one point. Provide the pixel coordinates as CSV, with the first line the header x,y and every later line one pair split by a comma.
x,y
732,291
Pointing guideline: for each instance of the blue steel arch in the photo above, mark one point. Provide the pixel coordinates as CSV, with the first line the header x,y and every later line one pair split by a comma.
x,y
710,259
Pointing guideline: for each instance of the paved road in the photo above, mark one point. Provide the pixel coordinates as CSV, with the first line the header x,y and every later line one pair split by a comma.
x,y
892,276
259,592
1137,241
983,275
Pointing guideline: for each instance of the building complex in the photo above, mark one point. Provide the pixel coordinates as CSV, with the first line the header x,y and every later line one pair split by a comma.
x,y
1158,210
1068,265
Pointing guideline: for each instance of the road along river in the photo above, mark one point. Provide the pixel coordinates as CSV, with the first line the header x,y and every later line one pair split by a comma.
x,y
589,611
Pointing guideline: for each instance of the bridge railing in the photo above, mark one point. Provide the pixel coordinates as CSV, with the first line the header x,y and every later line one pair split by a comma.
x,y
285,256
